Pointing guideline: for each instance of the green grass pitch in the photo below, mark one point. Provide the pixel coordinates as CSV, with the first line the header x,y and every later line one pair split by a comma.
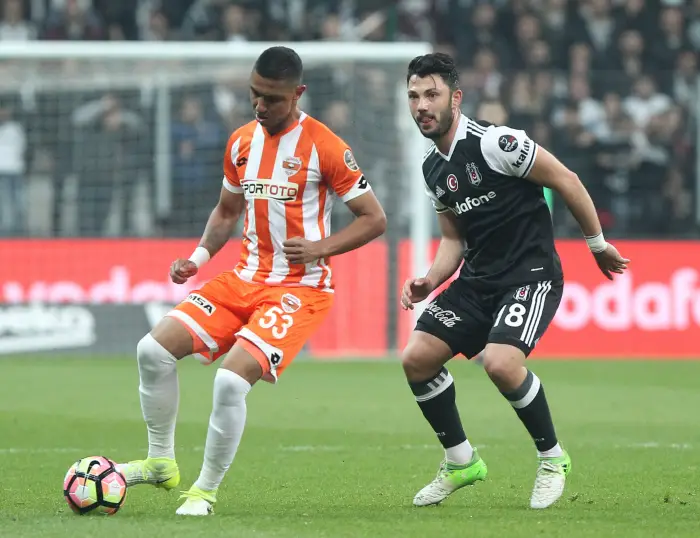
x,y
339,450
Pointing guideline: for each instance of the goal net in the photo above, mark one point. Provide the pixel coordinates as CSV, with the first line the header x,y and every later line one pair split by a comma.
x,y
122,145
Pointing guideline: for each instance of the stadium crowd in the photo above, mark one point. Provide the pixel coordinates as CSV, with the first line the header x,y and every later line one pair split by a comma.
x,y
611,86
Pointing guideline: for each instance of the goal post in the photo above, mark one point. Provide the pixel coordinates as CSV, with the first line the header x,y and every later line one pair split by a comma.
x,y
59,88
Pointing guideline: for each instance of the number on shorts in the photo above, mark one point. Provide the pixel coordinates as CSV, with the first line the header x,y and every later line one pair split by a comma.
x,y
514,317
272,319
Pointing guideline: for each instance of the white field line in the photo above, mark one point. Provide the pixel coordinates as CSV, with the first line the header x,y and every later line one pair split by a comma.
x,y
8,451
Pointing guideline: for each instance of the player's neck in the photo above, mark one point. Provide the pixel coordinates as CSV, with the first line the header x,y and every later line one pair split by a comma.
x,y
291,120
444,143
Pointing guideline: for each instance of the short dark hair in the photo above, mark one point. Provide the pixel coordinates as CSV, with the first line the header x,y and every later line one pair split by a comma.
x,y
436,63
279,63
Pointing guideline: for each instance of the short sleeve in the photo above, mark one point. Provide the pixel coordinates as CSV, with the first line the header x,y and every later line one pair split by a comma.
x,y
508,151
341,171
437,204
232,182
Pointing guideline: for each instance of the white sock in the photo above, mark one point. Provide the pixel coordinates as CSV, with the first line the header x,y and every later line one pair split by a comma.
x,y
160,396
460,454
226,425
553,452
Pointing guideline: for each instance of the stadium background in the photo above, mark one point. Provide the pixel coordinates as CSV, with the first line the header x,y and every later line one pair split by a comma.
x,y
89,150
610,86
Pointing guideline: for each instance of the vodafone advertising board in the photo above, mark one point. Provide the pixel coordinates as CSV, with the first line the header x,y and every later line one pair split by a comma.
x,y
135,271
652,312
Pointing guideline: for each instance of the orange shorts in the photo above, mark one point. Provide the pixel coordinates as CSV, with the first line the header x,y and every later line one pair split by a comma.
x,y
271,322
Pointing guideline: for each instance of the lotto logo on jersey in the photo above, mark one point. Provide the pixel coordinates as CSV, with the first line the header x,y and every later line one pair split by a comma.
x,y
447,317
269,190
471,203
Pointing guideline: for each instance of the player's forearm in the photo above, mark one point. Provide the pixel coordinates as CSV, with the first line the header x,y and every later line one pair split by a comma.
x,y
448,258
579,202
359,232
219,228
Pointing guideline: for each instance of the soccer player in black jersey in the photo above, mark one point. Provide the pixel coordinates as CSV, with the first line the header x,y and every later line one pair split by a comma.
x,y
486,184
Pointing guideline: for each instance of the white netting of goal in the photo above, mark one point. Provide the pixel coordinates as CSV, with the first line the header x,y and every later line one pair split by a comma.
x,y
126,139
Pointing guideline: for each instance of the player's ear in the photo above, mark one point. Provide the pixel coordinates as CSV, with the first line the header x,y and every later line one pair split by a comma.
x,y
299,91
457,99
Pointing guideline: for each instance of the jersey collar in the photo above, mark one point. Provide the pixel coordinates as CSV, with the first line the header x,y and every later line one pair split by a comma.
x,y
460,134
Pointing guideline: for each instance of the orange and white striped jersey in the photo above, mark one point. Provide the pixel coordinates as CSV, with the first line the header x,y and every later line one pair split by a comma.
x,y
290,181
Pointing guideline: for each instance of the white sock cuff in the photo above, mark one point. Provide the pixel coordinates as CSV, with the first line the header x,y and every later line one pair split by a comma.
x,y
149,347
231,382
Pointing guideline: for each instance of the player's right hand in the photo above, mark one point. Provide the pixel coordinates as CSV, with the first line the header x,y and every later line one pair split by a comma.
x,y
414,291
181,270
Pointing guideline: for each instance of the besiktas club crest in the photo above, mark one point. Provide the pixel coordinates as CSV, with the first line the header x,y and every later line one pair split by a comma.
x,y
473,174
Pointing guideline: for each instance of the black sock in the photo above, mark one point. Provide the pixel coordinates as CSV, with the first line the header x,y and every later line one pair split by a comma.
x,y
531,406
436,398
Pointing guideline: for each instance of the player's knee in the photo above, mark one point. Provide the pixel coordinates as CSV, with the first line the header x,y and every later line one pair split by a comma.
x,y
151,355
500,364
423,356
229,388
174,337
415,365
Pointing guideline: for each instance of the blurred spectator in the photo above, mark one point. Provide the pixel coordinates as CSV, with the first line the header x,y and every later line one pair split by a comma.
x,y
14,27
158,28
235,23
666,46
590,111
645,102
636,15
217,20
580,59
611,85
76,20
106,154
616,126
693,16
13,145
196,142
685,81
494,112
528,32
489,80
596,26
484,32
628,64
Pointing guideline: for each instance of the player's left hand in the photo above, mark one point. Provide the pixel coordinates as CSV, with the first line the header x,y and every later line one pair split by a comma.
x,y
610,261
300,251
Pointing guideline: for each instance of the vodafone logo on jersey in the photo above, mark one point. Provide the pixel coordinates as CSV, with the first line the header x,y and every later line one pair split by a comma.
x,y
269,190
471,203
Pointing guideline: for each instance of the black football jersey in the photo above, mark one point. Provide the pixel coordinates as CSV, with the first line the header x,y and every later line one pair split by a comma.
x,y
503,217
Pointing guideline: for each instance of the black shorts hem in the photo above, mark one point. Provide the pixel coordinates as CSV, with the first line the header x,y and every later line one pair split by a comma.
x,y
430,329
511,341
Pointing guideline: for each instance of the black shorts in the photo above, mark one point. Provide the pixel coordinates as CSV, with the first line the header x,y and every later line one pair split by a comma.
x,y
467,319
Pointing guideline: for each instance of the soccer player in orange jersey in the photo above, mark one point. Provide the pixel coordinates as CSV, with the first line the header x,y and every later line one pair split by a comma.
x,y
284,171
